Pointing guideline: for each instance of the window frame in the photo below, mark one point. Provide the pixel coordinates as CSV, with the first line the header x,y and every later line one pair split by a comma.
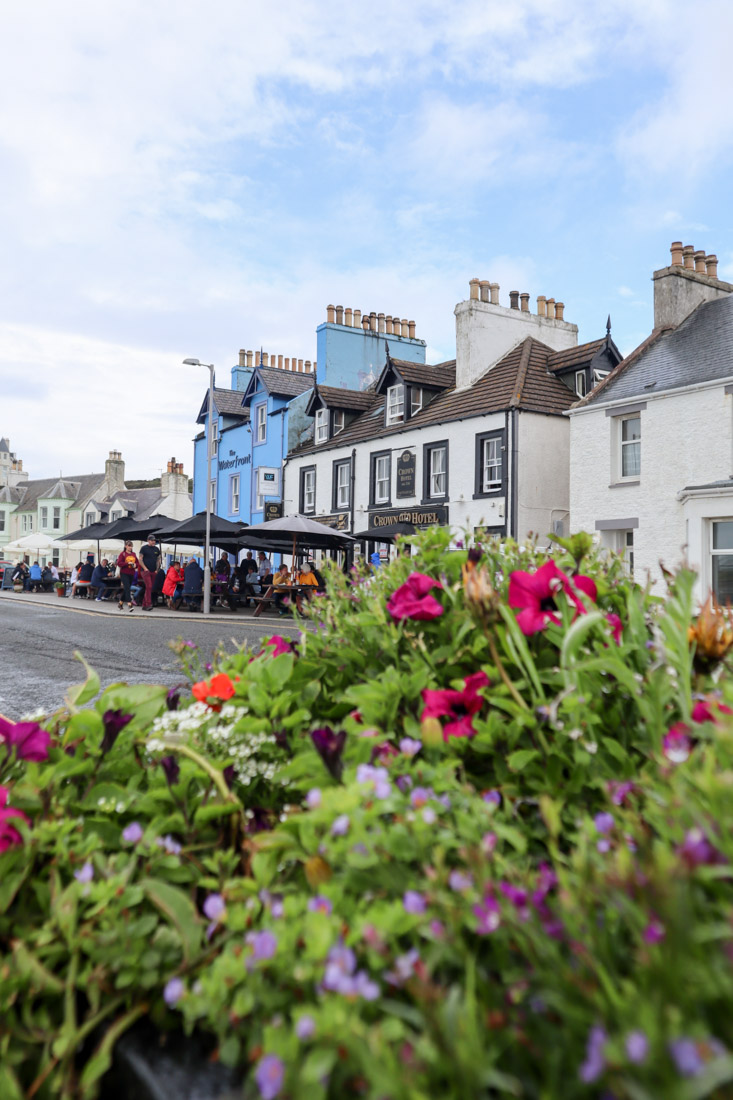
x,y
482,438
427,464
337,427
415,408
56,518
212,495
321,426
399,417
582,389
260,411
88,519
234,494
338,465
2,521
717,553
624,445
305,472
373,459
215,437
43,510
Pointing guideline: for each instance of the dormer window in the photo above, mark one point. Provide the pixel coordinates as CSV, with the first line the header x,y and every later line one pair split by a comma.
x,y
339,420
321,425
395,404
580,386
416,400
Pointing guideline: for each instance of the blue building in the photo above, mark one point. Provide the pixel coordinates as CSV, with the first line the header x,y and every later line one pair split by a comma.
x,y
263,415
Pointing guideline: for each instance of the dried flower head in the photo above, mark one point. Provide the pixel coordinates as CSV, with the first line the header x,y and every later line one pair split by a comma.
x,y
481,597
711,635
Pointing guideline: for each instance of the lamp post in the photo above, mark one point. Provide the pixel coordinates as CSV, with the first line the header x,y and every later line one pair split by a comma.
x,y
209,441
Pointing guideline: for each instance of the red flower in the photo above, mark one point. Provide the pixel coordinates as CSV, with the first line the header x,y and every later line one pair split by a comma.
x,y
458,706
218,687
534,595
412,600
9,835
30,741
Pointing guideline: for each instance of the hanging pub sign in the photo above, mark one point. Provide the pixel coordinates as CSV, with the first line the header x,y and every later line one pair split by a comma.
x,y
406,469
339,521
419,517
273,510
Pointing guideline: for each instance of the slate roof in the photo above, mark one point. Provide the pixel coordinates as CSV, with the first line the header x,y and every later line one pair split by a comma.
x,y
4,445
699,350
78,489
519,380
285,383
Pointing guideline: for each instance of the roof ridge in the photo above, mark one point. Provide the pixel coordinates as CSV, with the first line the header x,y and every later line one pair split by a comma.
x,y
522,369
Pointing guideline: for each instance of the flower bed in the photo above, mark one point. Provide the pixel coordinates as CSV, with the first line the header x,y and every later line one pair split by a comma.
x,y
468,838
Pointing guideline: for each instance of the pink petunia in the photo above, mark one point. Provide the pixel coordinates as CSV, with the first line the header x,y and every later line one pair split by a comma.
x,y
617,627
534,595
28,739
9,835
707,710
676,743
457,706
413,599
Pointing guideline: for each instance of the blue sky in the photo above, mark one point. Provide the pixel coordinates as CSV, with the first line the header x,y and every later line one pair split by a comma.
x,y
185,180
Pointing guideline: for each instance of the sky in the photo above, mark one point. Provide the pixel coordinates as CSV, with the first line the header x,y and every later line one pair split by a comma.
x,y
185,180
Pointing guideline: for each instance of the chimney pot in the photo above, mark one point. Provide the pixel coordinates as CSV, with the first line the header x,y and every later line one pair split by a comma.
x,y
484,288
357,318
541,305
249,358
365,322
474,285
700,261
373,321
411,327
380,321
287,364
550,309
279,361
307,366
514,299
494,288
525,302
300,366
348,316
711,265
339,315
330,315
689,256
405,327
257,359
265,359
559,310
388,324
242,357
170,467
676,250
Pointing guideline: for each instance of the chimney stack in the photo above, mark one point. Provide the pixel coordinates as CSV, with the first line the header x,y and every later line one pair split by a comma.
x,y
676,250
690,279
524,298
494,288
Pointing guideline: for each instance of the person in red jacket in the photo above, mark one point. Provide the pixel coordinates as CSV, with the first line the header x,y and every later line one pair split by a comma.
x,y
128,565
173,578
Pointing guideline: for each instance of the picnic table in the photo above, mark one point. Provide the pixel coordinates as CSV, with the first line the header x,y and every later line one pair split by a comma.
x,y
298,590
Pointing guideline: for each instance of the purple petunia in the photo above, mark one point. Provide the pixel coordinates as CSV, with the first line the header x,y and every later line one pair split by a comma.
x,y
320,904
409,746
487,915
173,992
270,1076
133,833
604,822
414,902
263,944
595,1061
686,1057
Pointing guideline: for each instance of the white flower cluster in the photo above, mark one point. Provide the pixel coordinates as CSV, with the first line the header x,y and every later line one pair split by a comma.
x,y
246,752
177,725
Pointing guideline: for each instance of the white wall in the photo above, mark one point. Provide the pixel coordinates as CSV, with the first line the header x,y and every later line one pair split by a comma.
x,y
544,458
486,332
686,439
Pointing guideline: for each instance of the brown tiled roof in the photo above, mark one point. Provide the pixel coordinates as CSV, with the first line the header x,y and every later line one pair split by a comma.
x,y
577,357
338,398
440,376
519,380
285,383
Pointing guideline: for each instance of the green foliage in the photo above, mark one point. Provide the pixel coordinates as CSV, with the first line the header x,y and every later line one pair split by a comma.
x,y
452,916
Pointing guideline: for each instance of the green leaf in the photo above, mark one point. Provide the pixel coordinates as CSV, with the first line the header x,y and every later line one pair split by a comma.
x,y
576,635
178,908
9,1087
79,694
34,971
318,1064
519,759
215,811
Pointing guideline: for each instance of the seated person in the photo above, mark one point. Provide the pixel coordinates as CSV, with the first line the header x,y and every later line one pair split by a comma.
x,y
193,584
280,578
319,576
173,585
47,578
223,567
264,569
306,576
21,574
99,579
157,592
75,577
35,578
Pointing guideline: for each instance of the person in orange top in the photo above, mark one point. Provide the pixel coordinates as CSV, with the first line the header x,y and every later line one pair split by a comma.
x,y
305,576
173,578
128,565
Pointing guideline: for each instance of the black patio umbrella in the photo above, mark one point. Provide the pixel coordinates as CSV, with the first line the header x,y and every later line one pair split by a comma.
x,y
388,533
93,533
193,530
131,528
285,534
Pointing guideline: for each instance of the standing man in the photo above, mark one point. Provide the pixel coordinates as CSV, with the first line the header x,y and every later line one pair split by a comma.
x,y
149,564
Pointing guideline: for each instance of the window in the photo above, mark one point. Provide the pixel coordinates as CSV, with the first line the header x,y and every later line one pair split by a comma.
x,y
490,470
44,516
27,523
722,560
381,479
212,495
599,375
57,519
628,550
631,446
416,400
214,437
2,521
341,485
435,466
580,386
234,495
56,558
321,425
115,516
339,420
395,404
308,490
261,423
89,519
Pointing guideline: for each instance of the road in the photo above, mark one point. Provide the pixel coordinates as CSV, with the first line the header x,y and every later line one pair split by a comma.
x,y
37,644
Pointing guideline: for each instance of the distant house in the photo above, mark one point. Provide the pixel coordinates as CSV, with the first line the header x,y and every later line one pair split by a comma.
x,y
651,448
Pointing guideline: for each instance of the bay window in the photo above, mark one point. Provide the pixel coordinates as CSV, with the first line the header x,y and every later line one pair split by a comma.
x,y
722,560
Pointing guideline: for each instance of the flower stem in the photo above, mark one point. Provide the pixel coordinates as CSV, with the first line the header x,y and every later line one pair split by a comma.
x,y
503,673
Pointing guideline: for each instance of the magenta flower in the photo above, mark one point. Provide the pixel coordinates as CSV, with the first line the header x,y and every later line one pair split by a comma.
x,y
617,627
618,791
697,851
27,738
488,843
270,1076
173,992
280,645
534,595
707,709
133,833
676,744
487,915
654,931
114,722
413,599
459,707
414,902
330,747
9,835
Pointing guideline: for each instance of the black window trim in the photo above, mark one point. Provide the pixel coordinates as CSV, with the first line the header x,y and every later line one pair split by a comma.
x,y
301,501
427,448
335,506
481,437
374,455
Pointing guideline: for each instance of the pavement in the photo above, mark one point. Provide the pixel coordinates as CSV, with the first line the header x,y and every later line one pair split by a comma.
x,y
39,633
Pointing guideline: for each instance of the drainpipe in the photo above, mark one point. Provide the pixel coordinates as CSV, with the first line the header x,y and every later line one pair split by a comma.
x,y
350,552
514,506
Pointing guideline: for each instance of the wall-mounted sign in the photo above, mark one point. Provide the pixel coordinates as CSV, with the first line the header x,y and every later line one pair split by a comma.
x,y
339,521
406,468
419,517
268,481
232,462
273,510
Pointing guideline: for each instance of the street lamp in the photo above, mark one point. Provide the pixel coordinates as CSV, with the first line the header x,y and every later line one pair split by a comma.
x,y
207,488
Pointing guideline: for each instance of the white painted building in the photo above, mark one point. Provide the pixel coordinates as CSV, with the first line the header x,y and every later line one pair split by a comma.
x,y
651,455
477,442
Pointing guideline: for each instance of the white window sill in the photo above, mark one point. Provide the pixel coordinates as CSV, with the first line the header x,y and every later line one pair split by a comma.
x,y
624,481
